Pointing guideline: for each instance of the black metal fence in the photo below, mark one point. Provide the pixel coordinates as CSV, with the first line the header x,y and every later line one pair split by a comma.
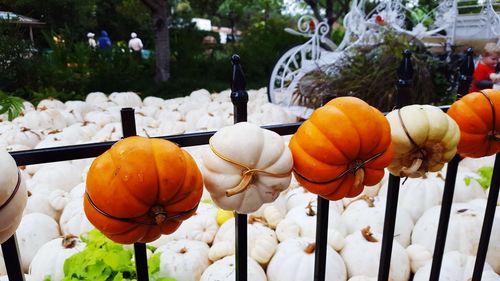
x,y
239,98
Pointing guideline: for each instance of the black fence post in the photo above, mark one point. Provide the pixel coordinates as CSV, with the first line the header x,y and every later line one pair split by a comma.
x,y
405,81
466,72
321,229
141,260
12,260
239,98
489,216
465,78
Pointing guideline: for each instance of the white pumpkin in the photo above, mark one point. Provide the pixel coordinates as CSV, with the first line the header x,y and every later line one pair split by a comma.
x,y
109,132
73,219
46,119
100,118
294,260
126,99
262,241
183,260
474,164
362,278
300,197
3,269
59,175
13,196
417,195
199,227
371,211
22,136
39,202
456,267
58,199
153,102
424,139
253,148
467,187
96,99
225,270
50,103
202,96
361,255
464,230
418,256
35,230
301,222
49,259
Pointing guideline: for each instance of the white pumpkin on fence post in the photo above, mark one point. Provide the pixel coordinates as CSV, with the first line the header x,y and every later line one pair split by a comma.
x,y
424,139
245,167
13,196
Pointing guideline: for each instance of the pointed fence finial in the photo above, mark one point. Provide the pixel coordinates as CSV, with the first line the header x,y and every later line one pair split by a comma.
x,y
239,95
405,80
466,72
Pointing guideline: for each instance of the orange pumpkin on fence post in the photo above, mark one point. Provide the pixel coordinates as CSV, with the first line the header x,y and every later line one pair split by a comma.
x,y
343,146
141,188
478,117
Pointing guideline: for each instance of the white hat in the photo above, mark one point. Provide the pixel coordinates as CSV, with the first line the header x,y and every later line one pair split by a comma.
x,y
90,34
133,35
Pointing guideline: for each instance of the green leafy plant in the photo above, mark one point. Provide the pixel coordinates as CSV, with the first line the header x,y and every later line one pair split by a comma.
x,y
11,105
484,180
104,260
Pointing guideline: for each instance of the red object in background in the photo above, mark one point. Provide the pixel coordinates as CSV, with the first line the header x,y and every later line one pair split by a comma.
x,y
379,20
312,26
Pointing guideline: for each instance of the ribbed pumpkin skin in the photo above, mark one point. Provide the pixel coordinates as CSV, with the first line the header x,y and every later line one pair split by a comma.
x,y
474,117
336,135
134,175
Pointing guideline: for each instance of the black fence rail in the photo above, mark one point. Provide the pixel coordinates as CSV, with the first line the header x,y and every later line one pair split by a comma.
x,y
239,98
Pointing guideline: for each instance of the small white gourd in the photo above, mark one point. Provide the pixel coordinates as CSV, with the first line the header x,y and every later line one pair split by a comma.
x,y
464,230
418,256
35,230
49,259
371,211
183,260
457,267
126,99
73,219
294,260
262,241
225,270
305,218
59,175
361,255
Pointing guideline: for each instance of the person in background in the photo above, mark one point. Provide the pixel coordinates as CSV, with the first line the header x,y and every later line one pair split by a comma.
x,y
135,43
92,42
104,42
482,78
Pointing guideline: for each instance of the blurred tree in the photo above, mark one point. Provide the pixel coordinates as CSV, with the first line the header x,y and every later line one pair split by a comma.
x,y
161,18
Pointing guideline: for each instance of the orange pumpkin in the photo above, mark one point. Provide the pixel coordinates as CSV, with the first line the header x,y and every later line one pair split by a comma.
x,y
478,117
141,188
343,146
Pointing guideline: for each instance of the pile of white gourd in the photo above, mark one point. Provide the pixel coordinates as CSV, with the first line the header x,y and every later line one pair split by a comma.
x,y
280,234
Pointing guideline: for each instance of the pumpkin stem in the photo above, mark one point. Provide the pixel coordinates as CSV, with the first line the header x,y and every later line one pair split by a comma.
x,y
359,177
242,186
159,214
311,247
183,250
368,235
310,211
415,165
252,219
69,241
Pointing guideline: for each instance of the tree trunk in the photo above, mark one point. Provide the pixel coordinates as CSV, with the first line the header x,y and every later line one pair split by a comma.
x,y
160,11
314,6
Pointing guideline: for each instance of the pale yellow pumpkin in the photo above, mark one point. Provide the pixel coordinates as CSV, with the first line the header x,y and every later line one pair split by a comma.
x,y
424,139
